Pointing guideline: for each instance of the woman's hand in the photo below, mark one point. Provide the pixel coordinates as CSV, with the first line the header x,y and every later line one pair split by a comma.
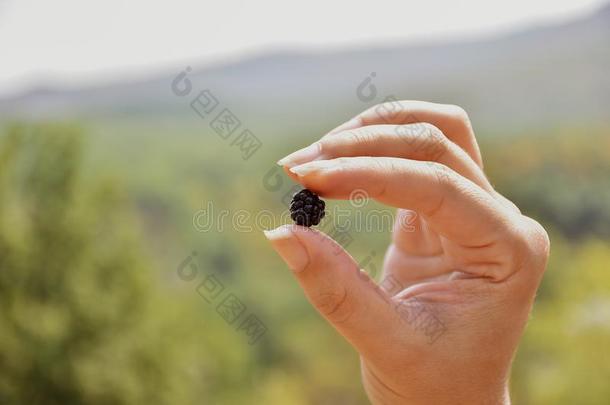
x,y
458,282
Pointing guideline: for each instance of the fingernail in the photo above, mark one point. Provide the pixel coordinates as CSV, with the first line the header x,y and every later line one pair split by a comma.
x,y
307,154
288,247
309,167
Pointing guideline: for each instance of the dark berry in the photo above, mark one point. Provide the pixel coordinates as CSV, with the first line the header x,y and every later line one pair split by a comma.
x,y
307,208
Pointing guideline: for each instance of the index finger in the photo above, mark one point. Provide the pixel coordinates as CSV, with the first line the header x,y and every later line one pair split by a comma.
x,y
452,205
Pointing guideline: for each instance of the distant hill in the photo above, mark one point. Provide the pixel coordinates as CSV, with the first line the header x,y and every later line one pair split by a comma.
x,y
545,76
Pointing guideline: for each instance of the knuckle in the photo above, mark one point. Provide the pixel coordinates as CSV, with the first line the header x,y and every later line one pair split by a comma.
x,y
420,130
539,242
335,305
424,139
459,113
445,176
460,117
531,245
437,143
411,134
445,182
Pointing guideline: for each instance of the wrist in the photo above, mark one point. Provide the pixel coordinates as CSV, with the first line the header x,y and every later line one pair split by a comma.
x,y
440,395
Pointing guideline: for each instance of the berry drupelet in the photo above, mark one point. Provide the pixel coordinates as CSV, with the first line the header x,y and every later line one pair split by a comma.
x,y
307,208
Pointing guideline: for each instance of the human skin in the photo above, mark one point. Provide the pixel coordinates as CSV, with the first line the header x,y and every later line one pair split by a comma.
x,y
458,283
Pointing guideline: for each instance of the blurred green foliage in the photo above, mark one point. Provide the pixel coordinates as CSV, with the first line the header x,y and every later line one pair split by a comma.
x,y
96,219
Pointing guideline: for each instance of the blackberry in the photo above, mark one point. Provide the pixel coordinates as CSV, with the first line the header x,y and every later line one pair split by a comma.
x,y
307,208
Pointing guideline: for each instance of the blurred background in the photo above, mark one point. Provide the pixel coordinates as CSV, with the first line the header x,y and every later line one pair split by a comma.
x,y
138,143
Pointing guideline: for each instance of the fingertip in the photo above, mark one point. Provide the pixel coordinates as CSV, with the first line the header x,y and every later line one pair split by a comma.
x,y
289,247
290,174
282,232
304,155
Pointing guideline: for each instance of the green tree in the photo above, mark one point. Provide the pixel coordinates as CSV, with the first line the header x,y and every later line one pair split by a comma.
x,y
78,321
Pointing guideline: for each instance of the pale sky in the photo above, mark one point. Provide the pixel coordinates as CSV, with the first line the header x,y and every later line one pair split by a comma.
x,y
83,41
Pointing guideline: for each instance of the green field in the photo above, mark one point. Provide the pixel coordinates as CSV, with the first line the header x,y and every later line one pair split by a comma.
x,y
96,225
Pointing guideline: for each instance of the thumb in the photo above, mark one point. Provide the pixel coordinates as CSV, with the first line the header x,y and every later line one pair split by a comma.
x,y
344,295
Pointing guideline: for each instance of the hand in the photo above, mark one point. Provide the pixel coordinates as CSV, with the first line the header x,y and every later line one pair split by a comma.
x,y
457,289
